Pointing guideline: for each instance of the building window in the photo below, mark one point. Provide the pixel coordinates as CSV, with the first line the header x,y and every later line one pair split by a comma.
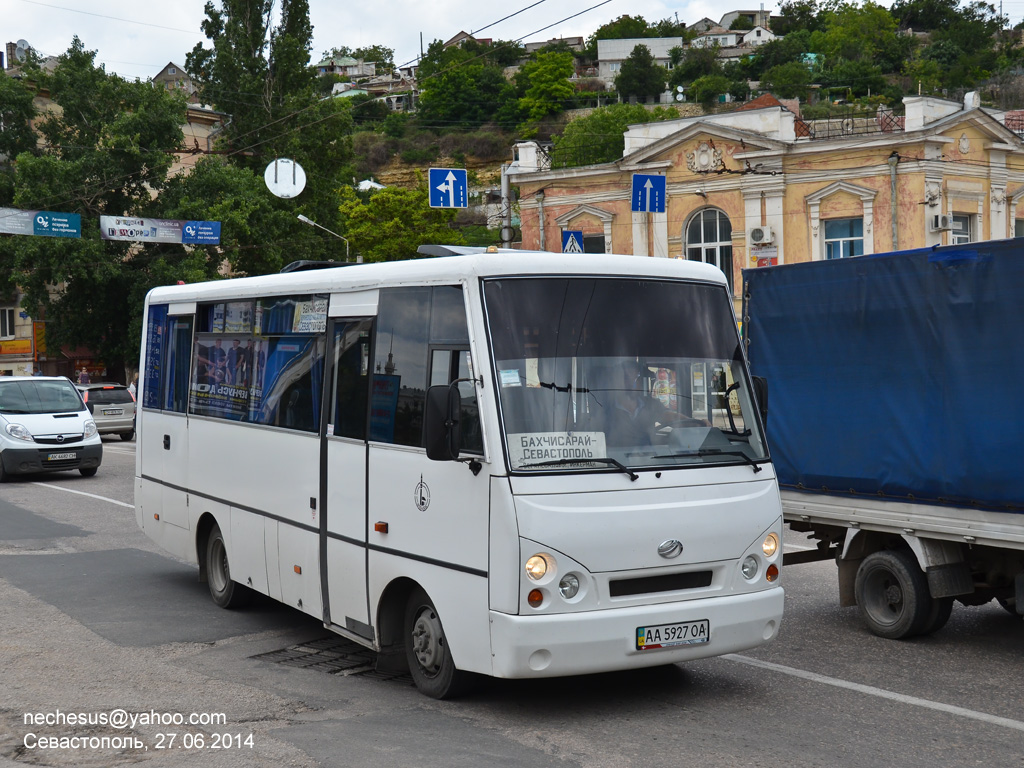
x,y
844,238
962,229
614,66
172,71
6,323
593,244
1018,227
709,239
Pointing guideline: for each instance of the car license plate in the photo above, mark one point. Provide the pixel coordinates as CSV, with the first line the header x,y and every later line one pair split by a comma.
x,y
671,635
113,411
61,456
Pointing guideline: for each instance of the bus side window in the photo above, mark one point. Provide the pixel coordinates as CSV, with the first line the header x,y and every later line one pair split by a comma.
x,y
412,324
351,378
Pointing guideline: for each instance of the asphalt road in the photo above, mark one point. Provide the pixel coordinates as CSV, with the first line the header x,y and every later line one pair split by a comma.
x,y
96,619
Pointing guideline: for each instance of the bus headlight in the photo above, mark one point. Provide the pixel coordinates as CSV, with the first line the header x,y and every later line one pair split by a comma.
x,y
537,567
749,567
770,545
569,586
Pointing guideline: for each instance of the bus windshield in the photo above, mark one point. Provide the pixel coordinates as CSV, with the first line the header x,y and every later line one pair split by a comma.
x,y
627,373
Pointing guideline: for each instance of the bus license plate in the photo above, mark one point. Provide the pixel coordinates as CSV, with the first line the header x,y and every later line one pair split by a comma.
x,y
113,412
61,456
671,635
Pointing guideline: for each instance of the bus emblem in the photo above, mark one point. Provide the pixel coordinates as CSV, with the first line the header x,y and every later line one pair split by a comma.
x,y
422,495
670,548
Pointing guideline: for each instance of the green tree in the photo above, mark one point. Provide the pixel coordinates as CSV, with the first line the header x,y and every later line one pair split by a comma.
x,y
640,75
259,74
459,87
706,90
394,222
380,55
788,81
548,89
696,61
858,78
17,110
600,136
862,33
108,147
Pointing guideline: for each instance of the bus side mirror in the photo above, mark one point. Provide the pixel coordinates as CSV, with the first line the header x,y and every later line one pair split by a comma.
x,y
441,428
761,397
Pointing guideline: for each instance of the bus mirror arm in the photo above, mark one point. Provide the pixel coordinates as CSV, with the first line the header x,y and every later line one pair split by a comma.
x,y
761,396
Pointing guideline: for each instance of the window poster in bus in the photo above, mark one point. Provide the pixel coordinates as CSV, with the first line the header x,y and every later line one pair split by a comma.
x,y
310,316
383,407
238,317
154,355
289,394
220,386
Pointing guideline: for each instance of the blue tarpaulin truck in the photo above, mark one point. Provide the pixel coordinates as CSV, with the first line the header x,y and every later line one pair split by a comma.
x,y
896,423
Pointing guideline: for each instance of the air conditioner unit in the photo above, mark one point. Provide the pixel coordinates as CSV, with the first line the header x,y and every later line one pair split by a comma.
x,y
941,222
760,235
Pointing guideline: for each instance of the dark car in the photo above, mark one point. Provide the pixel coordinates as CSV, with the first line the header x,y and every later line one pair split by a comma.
x,y
112,407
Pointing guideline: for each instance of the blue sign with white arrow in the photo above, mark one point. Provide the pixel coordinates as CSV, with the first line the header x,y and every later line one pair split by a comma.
x,y
448,188
648,193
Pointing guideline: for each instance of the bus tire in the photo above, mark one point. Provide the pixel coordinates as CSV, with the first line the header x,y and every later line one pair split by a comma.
x,y
225,592
427,653
892,594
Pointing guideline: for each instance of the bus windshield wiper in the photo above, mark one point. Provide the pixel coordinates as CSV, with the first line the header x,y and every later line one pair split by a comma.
x,y
562,462
701,452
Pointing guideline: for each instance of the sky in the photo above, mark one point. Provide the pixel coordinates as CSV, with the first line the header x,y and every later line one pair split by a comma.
x,y
137,39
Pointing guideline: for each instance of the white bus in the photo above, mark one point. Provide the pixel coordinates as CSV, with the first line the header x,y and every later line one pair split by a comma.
x,y
510,464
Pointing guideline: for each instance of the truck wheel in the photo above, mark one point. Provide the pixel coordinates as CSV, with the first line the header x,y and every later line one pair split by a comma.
x,y
938,614
892,593
426,650
225,592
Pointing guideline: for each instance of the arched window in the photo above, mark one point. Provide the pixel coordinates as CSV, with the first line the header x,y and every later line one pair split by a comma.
x,y
709,239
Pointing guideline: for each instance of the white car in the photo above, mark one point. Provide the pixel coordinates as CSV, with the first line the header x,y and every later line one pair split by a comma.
x,y
46,427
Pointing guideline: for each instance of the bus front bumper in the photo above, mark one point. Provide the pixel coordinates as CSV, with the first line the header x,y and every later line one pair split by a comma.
x,y
553,645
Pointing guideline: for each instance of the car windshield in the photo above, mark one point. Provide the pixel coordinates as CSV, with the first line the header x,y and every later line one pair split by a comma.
x,y
620,373
35,396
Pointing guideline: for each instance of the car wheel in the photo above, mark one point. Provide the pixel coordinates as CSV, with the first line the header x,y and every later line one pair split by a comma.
x,y
88,472
225,592
127,435
426,650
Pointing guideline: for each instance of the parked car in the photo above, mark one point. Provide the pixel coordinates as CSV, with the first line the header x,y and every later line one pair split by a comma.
x,y
45,426
112,406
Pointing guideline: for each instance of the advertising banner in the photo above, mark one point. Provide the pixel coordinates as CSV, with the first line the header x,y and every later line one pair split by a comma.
x,y
159,230
41,223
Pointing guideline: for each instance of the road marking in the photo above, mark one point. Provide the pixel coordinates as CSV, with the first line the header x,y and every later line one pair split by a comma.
x,y
1005,722
83,493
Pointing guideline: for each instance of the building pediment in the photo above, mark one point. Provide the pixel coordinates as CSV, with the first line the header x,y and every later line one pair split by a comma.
x,y
864,193
691,136
584,210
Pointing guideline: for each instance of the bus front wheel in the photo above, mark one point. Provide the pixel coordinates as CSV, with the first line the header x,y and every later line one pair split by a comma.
x,y
427,652
225,592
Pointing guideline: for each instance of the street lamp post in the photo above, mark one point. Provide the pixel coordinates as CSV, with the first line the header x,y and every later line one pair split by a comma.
x,y
307,220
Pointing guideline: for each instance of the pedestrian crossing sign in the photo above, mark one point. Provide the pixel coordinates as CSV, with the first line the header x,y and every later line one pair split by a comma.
x,y
572,241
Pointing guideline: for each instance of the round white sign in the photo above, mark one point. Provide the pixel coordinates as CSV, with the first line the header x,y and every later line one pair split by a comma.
x,y
285,178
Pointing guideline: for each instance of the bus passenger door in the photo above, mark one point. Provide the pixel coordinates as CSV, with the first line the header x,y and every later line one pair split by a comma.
x,y
343,519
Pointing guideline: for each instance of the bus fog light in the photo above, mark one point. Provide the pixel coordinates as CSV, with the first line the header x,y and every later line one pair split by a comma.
x,y
535,598
569,586
770,545
749,567
537,567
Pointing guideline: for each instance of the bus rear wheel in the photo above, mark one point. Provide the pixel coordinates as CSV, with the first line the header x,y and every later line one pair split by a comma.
x,y
225,592
427,652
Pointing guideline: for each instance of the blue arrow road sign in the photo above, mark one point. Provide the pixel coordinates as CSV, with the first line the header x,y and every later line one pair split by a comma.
x,y
448,188
572,241
648,193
